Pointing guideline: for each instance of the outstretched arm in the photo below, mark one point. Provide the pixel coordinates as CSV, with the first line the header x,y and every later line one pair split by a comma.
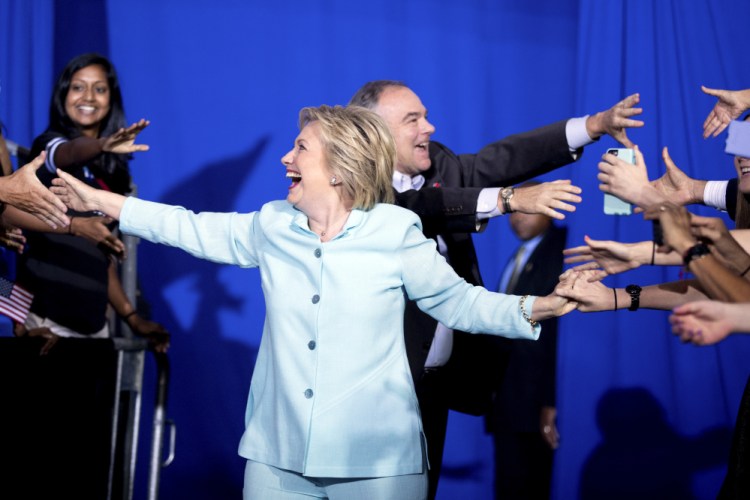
x,y
616,120
81,150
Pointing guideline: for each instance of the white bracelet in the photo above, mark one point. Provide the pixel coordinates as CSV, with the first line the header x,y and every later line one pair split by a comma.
x,y
525,315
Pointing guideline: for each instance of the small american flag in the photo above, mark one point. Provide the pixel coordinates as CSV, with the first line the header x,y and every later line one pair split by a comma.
x,y
14,300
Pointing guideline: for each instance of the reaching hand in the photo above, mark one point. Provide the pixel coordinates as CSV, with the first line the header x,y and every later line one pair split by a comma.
x,y
73,193
12,238
675,226
602,257
616,120
721,242
702,322
97,231
24,190
590,294
546,198
627,182
730,105
674,185
123,141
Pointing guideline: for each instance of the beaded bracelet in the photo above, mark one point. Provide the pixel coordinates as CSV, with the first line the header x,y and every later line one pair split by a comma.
x,y
525,315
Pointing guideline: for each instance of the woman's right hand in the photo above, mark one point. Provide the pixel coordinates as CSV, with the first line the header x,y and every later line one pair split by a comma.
x,y
74,193
123,141
603,257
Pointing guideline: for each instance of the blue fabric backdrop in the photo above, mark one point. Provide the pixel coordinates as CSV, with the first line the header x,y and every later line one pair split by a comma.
x,y
222,83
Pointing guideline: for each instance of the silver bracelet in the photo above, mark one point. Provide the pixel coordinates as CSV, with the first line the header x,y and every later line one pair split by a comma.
x,y
525,315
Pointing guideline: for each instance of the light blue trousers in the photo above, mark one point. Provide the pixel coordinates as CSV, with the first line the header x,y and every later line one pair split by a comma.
x,y
264,482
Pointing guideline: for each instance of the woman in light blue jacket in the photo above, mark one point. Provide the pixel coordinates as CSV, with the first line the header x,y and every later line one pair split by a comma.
x,y
332,411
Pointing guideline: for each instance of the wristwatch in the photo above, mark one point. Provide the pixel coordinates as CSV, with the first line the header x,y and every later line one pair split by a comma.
x,y
506,194
635,296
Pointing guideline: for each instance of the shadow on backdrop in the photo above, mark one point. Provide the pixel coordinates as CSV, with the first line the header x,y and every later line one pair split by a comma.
x,y
641,456
210,371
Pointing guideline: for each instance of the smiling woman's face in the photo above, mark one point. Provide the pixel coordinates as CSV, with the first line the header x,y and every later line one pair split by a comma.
x,y
307,166
87,102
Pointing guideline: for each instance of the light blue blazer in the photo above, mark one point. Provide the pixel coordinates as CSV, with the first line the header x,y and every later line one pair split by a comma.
x,y
331,394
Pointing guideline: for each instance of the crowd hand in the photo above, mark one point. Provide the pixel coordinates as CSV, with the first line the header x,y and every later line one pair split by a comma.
x,y
724,247
674,185
548,426
20,330
155,333
73,193
701,323
546,198
24,190
97,231
616,120
602,258
590,294
728,107
12,238
123,141
675,226
627,182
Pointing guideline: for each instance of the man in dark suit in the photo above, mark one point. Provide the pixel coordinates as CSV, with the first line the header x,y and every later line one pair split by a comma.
x,y
442,385
522,419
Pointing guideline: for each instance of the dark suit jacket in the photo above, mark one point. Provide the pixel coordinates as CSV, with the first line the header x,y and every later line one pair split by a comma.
x,y
503,163
529,379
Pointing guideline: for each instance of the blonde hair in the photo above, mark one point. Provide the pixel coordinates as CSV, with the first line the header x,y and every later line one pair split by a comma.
x,y
360,151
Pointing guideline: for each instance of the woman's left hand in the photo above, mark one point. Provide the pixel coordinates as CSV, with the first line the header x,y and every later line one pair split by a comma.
x,y
123,141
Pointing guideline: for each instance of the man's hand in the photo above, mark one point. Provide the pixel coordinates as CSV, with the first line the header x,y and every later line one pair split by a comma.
x,y
155,333
24,190
628,182
677,187
616,120
546,198
730,105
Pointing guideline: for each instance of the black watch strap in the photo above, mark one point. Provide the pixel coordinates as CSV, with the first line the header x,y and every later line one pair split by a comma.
x,y
635,297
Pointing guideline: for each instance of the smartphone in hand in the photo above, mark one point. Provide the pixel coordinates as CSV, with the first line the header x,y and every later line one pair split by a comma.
x,y
612,204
